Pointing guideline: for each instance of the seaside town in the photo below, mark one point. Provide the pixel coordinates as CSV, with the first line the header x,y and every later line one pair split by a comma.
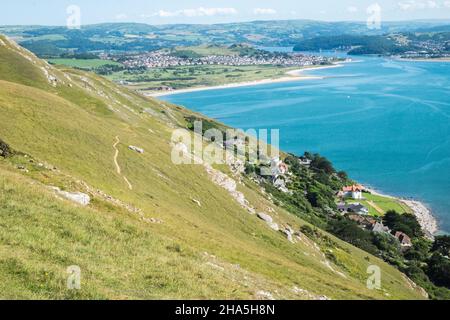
x,y
164,59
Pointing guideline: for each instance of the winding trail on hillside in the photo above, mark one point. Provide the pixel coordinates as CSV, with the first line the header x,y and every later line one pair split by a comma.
x,y
116,163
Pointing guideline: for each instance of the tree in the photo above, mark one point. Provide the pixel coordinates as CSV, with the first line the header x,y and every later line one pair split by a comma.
x,y
442,245
321,163
343,175
420,250
439,270
406,223
350,232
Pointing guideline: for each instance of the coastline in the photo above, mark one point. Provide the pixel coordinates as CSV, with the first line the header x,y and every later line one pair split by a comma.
x,y
435,60
293,75
423,214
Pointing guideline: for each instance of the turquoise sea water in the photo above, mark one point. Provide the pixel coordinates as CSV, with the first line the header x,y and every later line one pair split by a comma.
x,y
385,122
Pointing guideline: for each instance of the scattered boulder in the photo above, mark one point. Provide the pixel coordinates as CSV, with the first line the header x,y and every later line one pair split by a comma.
x,y
137,149
269,220
77,197
265,217
264,295
152,220
274,226
288,232
308,294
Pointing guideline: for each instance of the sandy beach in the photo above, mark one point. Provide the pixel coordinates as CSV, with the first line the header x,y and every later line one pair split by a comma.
x,y
294,75
423,214
425,60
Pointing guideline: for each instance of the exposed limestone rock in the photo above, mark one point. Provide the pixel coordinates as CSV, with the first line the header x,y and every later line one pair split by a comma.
x,y
137,149
51,79
308,295
230,185
288,232
274,226
413,286
77,197
152,220
265,217
264,295
269,220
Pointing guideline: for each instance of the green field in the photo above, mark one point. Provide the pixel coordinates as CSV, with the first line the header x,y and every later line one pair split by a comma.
x,y
206,50
198,76
83,63
379,205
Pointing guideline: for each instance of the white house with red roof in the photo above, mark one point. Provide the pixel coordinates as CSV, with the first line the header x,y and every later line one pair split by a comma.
x,y
354,192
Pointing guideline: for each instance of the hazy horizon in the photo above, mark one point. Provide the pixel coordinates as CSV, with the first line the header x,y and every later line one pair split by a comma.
x,y
55,13
444,21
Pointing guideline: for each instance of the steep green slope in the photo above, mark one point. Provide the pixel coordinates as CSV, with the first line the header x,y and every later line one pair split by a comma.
x,y
153,229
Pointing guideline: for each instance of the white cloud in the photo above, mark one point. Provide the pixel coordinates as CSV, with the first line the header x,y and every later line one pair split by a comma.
x,y
352,9
264,11
121,16
198,12
411,5
447,4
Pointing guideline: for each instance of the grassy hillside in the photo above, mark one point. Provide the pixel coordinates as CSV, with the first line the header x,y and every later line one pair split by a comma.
x,y
170,233
83,63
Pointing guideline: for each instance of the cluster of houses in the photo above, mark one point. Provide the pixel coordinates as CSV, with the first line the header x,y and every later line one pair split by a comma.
x,y
360,214
353,211
374,225
279,170
357,208
164,59
354,192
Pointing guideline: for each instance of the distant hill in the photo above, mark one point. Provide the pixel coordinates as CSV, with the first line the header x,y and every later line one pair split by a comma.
x,y
74,193
46,41
389,44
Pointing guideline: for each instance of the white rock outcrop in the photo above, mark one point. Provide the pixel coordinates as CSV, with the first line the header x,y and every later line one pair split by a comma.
x,y
230,185
265,217
137,149
264,295
77,197
289,233
269,220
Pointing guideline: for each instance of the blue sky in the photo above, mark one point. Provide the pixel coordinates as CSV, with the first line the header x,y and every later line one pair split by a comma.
x,y
53,12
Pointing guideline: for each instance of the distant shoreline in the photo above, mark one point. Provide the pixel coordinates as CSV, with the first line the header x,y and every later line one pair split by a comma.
x,y
445,60
293,75
424,215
